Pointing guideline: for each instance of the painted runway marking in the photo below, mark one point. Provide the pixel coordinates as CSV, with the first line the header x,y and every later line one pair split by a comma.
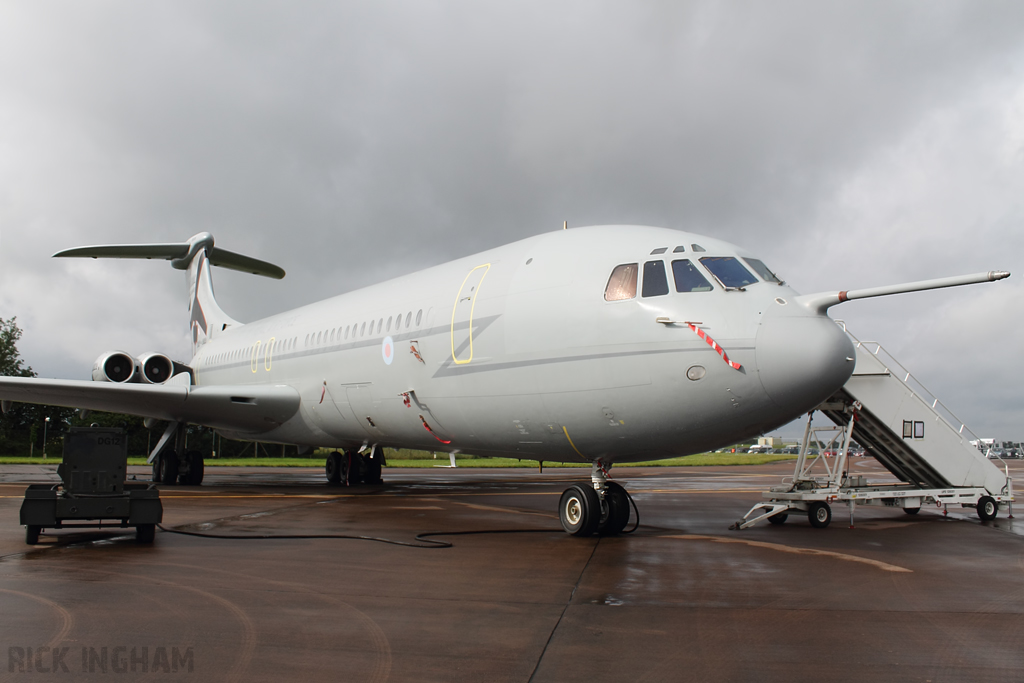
x,y
65,616
884,566
511,510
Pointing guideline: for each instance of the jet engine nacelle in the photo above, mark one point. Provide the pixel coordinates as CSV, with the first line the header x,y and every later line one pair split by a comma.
x,y
115,366
156,368
149,368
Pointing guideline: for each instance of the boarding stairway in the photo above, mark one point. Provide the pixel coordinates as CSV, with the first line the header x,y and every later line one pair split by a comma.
x,y
903,426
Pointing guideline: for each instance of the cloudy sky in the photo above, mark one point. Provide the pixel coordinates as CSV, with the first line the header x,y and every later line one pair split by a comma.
x,y
848,144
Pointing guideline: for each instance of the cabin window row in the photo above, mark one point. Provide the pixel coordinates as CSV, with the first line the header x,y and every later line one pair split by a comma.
x,y
371,327
244,354
727,270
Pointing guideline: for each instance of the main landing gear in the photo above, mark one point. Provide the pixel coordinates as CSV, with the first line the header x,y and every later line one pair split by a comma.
x,y
602,507
188,470
173,464
352,468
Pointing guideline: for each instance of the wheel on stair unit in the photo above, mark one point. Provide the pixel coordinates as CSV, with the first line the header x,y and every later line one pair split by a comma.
x,y
820,514
988,508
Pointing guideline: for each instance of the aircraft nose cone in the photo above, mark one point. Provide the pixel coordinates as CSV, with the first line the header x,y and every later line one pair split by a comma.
x,y
802,360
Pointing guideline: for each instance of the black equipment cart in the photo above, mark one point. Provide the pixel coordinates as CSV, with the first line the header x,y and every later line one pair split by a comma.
x,y
93,491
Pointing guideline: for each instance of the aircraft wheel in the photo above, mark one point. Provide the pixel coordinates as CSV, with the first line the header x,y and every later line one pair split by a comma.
x,y
820,514
988,508
333,468
579,510
157,478
32,534
352,468
911,511
779,519
618,511
371,470
196,469
145,533
169,469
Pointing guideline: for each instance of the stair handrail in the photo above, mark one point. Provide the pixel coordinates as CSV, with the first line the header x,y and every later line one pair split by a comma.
x,y
914,385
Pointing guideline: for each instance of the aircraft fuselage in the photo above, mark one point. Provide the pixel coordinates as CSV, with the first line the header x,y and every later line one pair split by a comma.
x,y
517,352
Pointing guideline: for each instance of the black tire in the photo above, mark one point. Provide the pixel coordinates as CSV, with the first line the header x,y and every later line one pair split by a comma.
x,y
579,510
196,469
911,511
820,514
371,469
32,534
779,519
988,508
617,503
156,470
353,465
145,533
333,468
169,469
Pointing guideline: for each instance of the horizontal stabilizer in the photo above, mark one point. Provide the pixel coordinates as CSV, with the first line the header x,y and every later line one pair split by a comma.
x,y
246,264
179,254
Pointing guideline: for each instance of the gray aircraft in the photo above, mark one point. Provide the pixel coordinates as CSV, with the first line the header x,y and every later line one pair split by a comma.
x,y
601,345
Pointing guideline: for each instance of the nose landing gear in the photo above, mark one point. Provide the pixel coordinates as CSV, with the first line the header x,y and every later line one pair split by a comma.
x,y
601,508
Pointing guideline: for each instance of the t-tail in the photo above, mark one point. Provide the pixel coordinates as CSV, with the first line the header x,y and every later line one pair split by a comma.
x,y
196,256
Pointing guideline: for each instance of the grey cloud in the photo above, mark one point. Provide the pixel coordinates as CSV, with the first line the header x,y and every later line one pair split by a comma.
x,y
850,145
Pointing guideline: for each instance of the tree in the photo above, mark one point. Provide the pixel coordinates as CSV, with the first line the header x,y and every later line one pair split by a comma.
x,y
22,423
11,364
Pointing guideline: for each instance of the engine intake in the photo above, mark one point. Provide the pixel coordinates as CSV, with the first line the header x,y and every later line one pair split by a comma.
x,y
156,368
114,366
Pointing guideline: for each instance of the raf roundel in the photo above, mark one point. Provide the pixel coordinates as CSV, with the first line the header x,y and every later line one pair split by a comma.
x,y
387,350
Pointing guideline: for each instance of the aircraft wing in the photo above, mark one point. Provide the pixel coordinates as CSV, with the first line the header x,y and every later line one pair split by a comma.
x,y
255,408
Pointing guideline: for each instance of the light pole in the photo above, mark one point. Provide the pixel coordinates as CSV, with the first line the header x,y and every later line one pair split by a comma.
x,y
46,423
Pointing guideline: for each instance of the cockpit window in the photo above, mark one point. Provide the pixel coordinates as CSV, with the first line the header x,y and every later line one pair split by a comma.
x,y
697,247
679,250
729,271
655,282
761,269
622,283
688,278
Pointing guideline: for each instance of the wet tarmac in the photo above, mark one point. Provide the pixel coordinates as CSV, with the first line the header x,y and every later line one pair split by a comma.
x,y
896,598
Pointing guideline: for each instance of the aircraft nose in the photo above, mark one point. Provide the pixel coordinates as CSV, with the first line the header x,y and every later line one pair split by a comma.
x,y
802,360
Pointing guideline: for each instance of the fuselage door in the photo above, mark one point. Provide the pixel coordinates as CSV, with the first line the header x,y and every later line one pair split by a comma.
x,y
462,314
366,408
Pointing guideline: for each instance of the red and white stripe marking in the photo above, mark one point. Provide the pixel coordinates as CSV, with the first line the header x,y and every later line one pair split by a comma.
x,y
713,344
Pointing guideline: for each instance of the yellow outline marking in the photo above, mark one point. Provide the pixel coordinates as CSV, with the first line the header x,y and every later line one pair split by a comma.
x,y
254,362
268,357
796,551
572,444
472,309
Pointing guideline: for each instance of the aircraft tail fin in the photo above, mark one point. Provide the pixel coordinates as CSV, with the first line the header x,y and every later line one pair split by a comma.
x,y
196,256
